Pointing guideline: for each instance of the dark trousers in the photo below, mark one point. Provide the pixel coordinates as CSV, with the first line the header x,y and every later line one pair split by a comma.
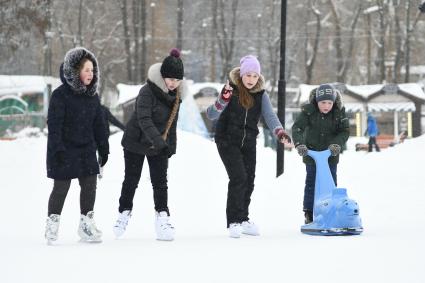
x,y
372,141
240,166
61,188
158,165
310,181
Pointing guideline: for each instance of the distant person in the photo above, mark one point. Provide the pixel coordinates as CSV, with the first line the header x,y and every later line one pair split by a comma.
x,y
322,124
372,131
76,131
238,108
151,136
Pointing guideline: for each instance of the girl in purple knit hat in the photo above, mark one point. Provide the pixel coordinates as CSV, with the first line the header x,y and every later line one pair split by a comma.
x,y
237,110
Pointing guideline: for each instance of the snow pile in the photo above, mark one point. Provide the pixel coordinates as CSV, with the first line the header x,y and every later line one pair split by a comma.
x,y
31,132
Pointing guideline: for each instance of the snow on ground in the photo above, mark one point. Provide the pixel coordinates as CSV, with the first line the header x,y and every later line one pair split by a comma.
x,y
389,187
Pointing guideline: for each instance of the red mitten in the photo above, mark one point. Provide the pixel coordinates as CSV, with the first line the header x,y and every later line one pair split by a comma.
x,y
226,92
282,135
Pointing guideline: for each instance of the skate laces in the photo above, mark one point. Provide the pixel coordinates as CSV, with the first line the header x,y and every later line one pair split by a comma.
x,y
123,219
164,223
52,224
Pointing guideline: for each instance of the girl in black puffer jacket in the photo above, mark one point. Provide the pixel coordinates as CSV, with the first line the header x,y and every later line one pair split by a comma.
x,y
151,133
76,131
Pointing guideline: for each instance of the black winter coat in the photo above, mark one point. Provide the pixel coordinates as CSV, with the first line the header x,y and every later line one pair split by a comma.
x,y
237,125
75,125
149,120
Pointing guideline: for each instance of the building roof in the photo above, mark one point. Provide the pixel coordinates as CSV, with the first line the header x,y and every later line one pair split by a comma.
x,y
21,85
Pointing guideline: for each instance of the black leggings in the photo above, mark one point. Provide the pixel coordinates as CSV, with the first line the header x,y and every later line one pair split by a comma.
x,y
60,190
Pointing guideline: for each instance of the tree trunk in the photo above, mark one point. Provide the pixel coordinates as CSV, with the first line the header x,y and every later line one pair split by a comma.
x,y
409,32
338,43
47,70
349,57
179,43
136,32
143,62
381,46
369,49
310,59
126,39
407,47
80,24
273,47
398,40
225,40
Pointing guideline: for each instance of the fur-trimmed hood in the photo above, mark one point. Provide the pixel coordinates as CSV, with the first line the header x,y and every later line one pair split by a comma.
x,y
71,75
235,76
154,75
338,100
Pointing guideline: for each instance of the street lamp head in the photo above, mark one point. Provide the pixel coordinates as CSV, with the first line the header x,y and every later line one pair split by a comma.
x,y
422,7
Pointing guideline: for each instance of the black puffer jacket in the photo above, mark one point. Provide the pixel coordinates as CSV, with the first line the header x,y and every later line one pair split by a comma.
x,y
75,123
237,125
149,120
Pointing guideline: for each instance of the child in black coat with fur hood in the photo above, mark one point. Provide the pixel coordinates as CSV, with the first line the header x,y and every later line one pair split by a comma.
x,y
151,134
76,131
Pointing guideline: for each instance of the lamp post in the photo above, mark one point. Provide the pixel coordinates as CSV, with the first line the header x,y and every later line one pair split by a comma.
x,y
281,93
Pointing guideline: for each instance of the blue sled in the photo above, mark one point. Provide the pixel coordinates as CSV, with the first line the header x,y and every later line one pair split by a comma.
x,y
333,212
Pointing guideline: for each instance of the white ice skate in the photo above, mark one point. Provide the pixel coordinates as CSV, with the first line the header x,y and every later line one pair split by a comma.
x,y
52,228
88,230
235,230
164,229
250,228
122,222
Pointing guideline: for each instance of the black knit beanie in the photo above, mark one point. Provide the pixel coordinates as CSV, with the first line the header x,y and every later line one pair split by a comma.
x,y
172,66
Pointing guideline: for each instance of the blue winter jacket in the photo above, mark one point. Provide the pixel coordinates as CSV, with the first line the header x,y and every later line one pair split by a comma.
x,y
372,126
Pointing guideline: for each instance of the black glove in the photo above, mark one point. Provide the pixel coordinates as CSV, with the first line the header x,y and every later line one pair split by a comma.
x,y
103,158
60,157
159,143
335,149
302,149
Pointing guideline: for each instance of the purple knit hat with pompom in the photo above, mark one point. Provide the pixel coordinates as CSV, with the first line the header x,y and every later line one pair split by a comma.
x,y
172,66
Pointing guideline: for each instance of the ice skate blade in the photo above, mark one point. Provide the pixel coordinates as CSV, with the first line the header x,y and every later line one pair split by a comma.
x,y
251,234
91,241
165,240
332,231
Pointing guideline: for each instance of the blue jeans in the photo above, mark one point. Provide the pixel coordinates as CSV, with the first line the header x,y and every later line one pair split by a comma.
x,y
310,181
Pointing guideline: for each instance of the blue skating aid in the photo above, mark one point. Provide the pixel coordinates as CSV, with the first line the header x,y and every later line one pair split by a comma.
x,y
333,212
